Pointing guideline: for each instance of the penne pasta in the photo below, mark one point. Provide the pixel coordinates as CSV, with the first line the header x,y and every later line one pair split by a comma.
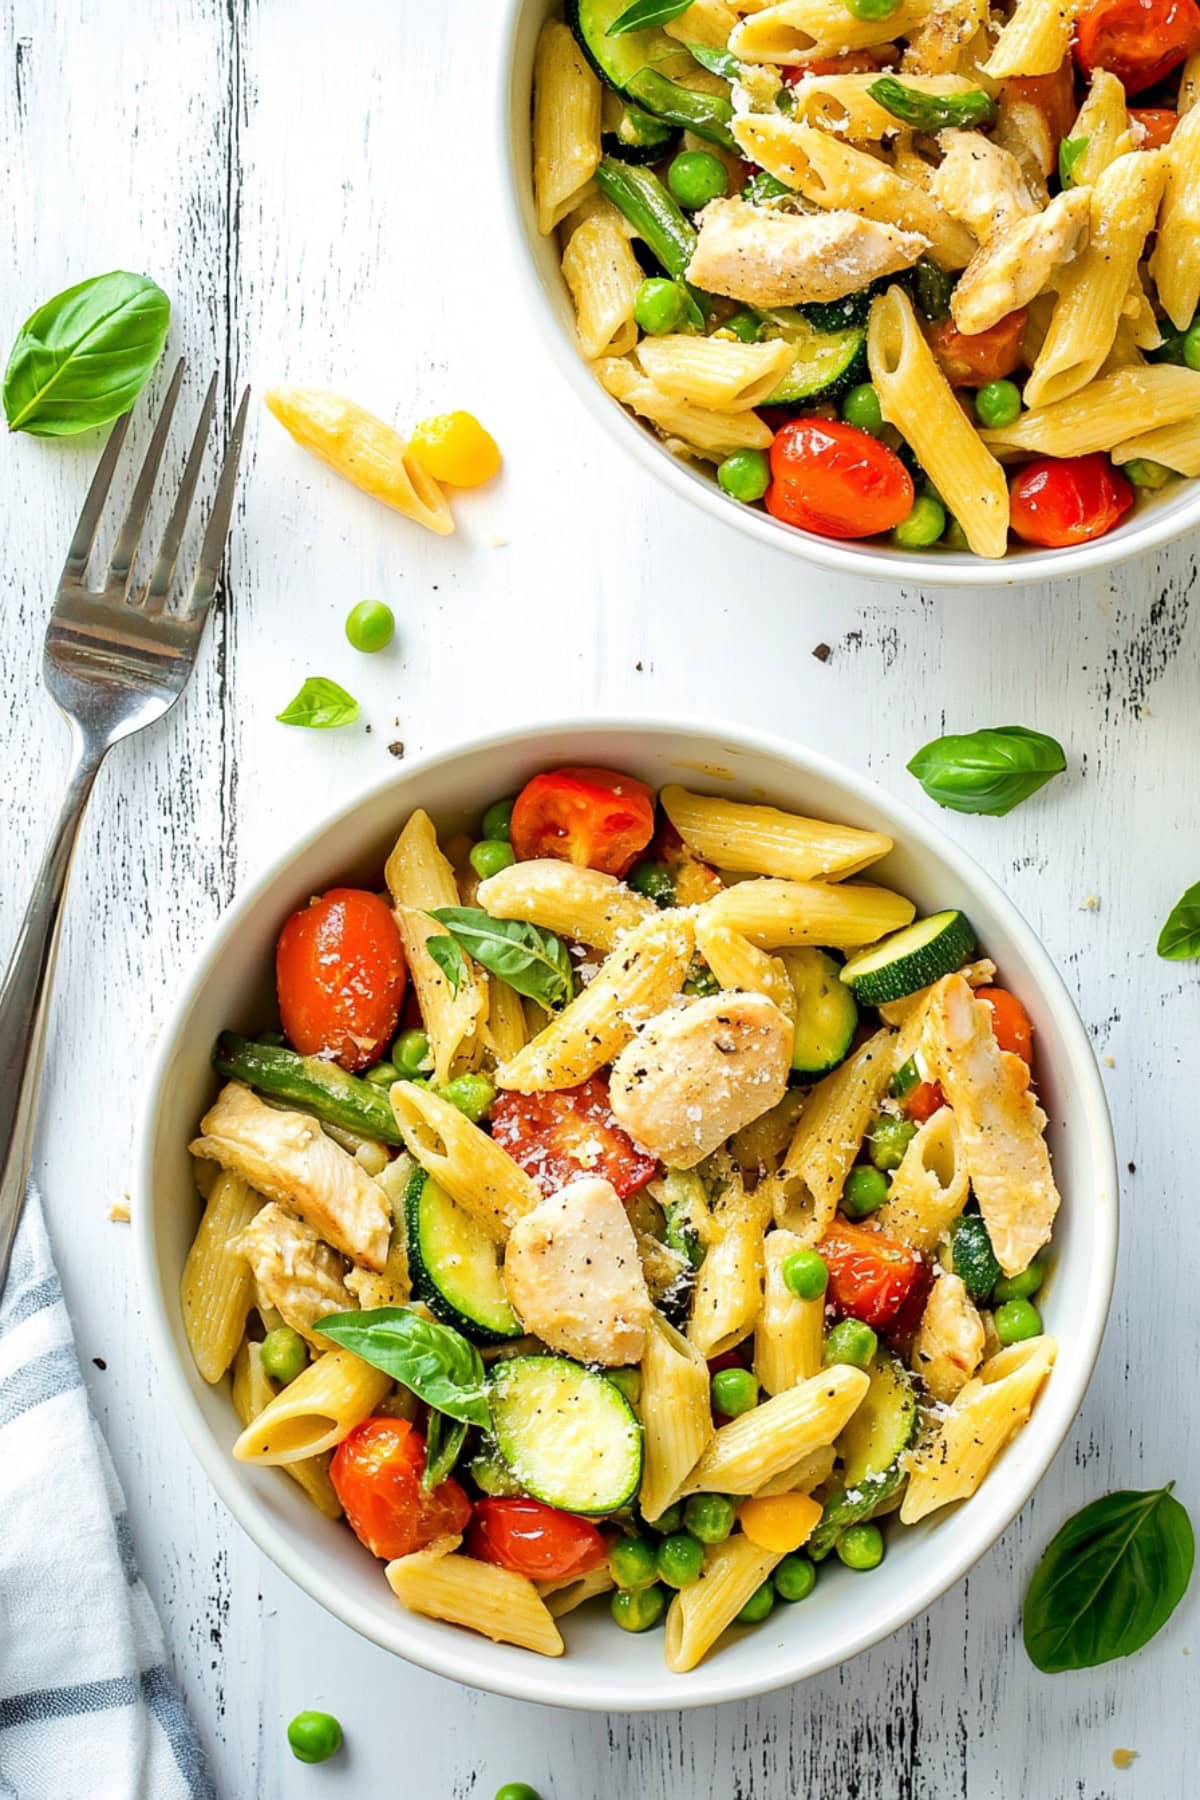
x,y
842,104
676,1414
603,275
728,1294
710,434
1109,410
420,879
700,1613
749,1451
566,124
797,31
989,1410
217,1290
476,1173
830,1131
721,373
1175,446
930,1188
315,1412
774,914
790,1333
762,840
1175,259
581,904
252,1391
441,1583
1035,40
738,964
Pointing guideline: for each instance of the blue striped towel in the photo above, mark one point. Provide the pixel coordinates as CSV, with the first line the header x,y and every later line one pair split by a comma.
x,y
88,1707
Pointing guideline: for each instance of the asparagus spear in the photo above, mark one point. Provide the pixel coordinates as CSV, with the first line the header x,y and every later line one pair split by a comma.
x,y
322,1087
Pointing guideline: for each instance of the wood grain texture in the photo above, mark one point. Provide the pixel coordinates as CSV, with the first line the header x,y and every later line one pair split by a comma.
x,y
317,190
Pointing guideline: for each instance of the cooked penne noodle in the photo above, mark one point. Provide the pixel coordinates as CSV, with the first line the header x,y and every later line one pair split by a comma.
x,y
990,1410
676,1414
829,1134
473,1169
761,1444
364,450
710,434
603,275
1103,121
1035,40
812,1471
566,124
1175,446
721,373
252,1391
774,914
217,1290
707,22
700,1613
581,904
1175,259
315,1412
562,1597
442,1583
1115,407
790,1333
739,964
929,1189
762,840
795,31
420,879
728,1293
505,1032
843,103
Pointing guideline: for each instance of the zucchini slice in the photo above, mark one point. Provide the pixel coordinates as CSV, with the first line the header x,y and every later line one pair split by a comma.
x,y
910,959
617,60
633,135
827,365
826,1011
567,1433
452,1262
872,1450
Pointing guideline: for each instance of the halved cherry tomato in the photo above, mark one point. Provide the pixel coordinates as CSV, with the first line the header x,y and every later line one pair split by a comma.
x,y
737,1358
983,357
836,480
921,1102
1012,1027
1139,41
907,1322
871,1274
1053,95
534,1540
557,1137
1068,500
340,973
376,1474
1158,125
594,818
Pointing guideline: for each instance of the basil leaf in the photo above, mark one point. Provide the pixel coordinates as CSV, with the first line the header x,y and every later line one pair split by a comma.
x,y
1069,152
932,112
718,62
1108,1581
444,1439
320,706
1179,939
532,961
644,13
86,355
435,1363
988,771
449,959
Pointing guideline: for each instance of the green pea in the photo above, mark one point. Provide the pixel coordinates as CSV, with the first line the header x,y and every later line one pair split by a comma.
x,y
680,1559
284,1354
851,1342
697,176
923,526
734,1391
1020,1287
638,1611
795,1578
805,1274
631,1563
888,1139
758,1607
489,856
865,1191
861,407
745,475
998,403
861,1547
1191,345
871,9
659,306
497,820
471,1094
629,1381
370,626
517,1790
655,880
314,1737
709,1517
1146,474
1016,1320
744,324
410,1053
668,1522
381,1074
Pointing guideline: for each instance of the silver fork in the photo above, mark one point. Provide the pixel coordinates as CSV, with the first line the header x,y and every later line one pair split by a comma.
x,y
113,665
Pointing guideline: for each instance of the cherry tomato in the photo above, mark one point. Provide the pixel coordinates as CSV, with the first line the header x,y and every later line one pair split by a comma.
x,y
534,1540
985,356
557,1137
907,1322
1011,1024
1139,41
1158,125
376,1474
340,974
836,480
1068,500
1053,95
871,1275
594,818
924,1100
737,1358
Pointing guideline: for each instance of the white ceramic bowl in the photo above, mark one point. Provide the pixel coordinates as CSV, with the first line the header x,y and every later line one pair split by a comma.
x,y
231,986
1155,521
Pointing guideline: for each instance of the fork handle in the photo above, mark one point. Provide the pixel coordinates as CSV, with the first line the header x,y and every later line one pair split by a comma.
x,y
24,999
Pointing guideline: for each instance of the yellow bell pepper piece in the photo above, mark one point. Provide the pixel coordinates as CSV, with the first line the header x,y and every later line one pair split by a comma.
x,y
780,1522
363,449
455,448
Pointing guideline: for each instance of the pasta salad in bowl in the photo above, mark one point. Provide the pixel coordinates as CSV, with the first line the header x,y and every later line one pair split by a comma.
x,y
912,276
620,1199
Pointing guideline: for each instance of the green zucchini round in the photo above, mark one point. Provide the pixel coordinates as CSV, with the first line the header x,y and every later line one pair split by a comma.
x,y
567,1433
910,959
453,1265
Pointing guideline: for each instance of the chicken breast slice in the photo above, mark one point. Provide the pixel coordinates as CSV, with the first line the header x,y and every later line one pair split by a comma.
x,y
572,1272
287,1157
1018,261
697,1074
768,258
950,1342
1001,1125
980,183
296,1271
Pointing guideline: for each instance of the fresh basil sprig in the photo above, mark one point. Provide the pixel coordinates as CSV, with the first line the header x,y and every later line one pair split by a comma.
x,y
1108,1581
1179,939
932,112
444,1439
1069,152
434,1362
320,706
534,962
988,771
644,13
448,956
86,355
718,62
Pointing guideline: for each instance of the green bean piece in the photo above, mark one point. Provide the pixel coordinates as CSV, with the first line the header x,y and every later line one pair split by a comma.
x,y
706,116
309,1081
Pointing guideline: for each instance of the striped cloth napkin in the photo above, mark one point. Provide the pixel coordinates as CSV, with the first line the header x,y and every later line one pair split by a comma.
x,y
88,1707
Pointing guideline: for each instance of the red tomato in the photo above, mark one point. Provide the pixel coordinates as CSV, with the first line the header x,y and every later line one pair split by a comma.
x,y
986,356
1068,500
1011,1024
1140,41
737,1358
1053,95
594,818
340,974
535,1540
871,1275
924,1100
557,1137
376,1474
836,480
1158,125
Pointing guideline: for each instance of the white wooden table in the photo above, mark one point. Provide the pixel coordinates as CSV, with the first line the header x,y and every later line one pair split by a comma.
x,y
316,188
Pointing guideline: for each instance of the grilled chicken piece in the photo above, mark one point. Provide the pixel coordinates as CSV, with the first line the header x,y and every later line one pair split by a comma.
x,y
1017,262
573,1274
1000,1123
949,1345
766,258
981,184
287,1157
697,1074
297,1273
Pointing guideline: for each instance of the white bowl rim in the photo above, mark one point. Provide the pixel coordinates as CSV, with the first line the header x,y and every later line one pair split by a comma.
x,y
464,1657
1149,530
